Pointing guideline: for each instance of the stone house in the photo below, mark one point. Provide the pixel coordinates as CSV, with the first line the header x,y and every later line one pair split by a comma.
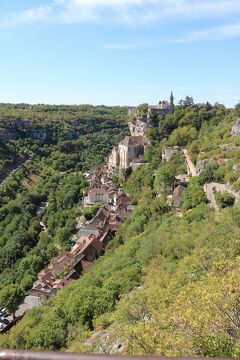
x,y
66,267
89,229
97,195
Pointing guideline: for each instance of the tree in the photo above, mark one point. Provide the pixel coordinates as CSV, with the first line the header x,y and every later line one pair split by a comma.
x,y
237,108
11,297
165,178
187,102
193,195
183,135
225,199
143,109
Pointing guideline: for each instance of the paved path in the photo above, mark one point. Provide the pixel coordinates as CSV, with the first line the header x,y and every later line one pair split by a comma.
x,y
29,303
191,168
209,190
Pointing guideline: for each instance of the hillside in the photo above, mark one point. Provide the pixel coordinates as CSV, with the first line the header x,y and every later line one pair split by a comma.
x,y
169,281
11,113
52,173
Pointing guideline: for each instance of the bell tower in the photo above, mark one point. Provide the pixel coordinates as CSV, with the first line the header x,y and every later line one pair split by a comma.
x,y
172,102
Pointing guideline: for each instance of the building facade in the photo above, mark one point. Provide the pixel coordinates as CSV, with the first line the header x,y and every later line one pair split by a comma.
x,y
163,107
128,152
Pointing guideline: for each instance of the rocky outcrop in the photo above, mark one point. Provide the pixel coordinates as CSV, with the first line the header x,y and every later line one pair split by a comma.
x,y
105,342
168,152
236,128
138,126
200,166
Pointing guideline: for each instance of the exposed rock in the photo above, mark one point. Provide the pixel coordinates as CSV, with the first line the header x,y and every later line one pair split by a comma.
x,y
105,342
200,166
236,167
168,152
227,147
236,128
138,126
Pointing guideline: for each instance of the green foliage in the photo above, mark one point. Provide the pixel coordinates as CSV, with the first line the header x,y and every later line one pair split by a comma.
x,y
140,179
90,212
10,297
225,199
187,102
168,285
194,195
183,136
143,109
165,178
211,172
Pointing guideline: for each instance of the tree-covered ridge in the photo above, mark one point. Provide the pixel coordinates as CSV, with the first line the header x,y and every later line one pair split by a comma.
x,y
169,283
48,113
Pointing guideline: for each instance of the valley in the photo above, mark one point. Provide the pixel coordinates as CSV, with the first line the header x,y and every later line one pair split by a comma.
x,y
137,252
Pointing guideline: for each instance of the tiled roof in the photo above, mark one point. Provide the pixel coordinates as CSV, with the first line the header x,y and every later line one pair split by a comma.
x,y
133,140
161,105
98,191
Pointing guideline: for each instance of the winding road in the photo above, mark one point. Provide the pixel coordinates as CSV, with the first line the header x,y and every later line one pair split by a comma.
x,y
13,170
209,187
209,190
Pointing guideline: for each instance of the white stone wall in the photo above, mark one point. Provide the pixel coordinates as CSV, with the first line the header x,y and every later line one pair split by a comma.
x,y
98,197
123,157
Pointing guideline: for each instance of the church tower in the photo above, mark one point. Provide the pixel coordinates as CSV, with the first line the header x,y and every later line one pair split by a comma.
x,y
172,102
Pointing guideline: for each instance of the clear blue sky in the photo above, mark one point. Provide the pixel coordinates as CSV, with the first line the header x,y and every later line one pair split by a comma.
x,y
119,52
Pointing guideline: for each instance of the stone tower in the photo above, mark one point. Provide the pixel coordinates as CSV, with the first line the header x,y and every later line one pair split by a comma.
x,y
172,102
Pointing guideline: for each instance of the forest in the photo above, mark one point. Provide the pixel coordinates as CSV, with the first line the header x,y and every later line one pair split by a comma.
x,y
169,281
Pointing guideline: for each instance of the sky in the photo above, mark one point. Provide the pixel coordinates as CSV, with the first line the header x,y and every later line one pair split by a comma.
x,y
119,52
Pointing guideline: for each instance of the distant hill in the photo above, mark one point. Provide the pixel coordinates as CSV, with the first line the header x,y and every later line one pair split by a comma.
x,y
19,113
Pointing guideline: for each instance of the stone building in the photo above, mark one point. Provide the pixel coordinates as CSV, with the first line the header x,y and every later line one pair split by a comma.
x,y
129,152
98,194
163,107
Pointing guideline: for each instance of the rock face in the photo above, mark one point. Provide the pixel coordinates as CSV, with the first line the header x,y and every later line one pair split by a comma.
x,y
236,128
7,135
168,152
200,166
105,342
138,126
